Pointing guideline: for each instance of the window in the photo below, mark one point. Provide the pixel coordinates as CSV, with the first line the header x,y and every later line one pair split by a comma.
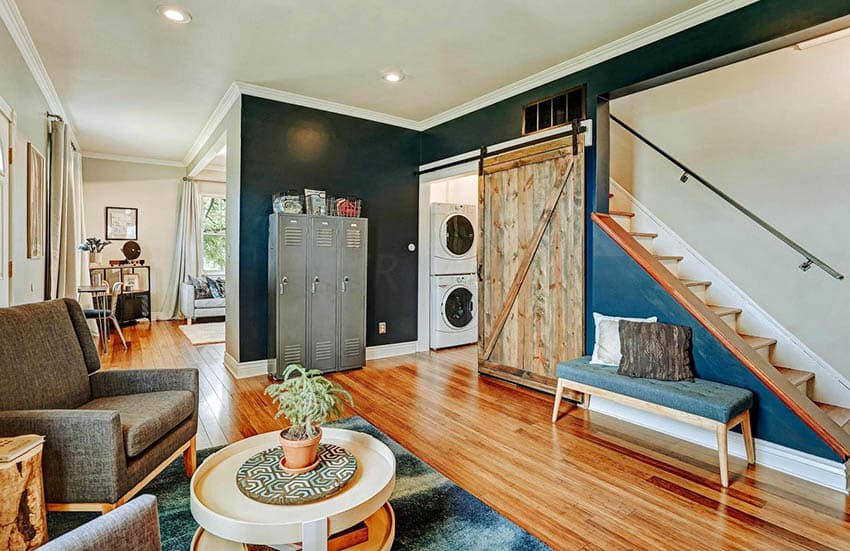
x,y
213,229
558,110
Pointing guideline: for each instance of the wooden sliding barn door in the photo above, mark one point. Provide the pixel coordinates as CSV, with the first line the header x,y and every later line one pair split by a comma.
x,y
531,262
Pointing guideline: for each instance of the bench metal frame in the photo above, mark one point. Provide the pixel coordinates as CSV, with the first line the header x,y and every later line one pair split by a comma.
x,y
720,429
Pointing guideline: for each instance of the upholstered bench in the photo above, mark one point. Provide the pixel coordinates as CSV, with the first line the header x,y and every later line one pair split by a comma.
x,y
702,403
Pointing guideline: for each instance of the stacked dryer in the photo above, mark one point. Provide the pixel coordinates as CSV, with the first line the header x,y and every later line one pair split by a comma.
x,y
454,286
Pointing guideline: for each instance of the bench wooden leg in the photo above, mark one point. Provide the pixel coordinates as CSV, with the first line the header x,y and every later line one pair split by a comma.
x,y
749,443
559,394
723,454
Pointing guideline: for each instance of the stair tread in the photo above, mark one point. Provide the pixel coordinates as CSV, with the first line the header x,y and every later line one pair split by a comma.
x,y
837,413
795,376
621,213
695,282
642,234
725,310
758,342
669,257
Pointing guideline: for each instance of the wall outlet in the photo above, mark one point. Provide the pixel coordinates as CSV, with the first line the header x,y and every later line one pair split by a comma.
x,y
382,328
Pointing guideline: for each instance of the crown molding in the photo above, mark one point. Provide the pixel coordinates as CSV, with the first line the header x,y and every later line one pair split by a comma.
x,y
227,100
129,159
11,16
689,18
325,105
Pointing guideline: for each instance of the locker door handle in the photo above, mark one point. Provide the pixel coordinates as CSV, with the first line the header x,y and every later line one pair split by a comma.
x,y
283,281
345,280
315,282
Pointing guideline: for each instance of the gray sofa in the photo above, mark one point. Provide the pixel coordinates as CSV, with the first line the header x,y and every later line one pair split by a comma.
x,y
196,308
132,527
106,430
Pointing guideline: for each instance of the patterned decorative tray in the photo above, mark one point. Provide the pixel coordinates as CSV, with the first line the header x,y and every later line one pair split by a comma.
x,y
262,479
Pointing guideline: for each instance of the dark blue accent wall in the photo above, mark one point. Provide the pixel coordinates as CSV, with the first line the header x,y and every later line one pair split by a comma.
x,y
291,147
621,287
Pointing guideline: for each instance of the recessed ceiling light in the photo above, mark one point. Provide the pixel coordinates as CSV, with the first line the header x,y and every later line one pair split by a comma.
x,y
393,76
174,13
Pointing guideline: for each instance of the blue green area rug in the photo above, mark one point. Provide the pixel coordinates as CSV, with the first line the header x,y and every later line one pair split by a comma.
x,y
431,512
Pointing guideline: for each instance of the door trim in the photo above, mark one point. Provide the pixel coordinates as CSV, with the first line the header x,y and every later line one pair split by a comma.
x,y
423,322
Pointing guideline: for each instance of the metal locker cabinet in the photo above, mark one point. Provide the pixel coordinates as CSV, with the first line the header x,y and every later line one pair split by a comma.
x,y
322,297
288,242
351,318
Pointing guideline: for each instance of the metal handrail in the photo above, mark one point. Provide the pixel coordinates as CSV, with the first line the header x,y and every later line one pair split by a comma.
x,y
810,259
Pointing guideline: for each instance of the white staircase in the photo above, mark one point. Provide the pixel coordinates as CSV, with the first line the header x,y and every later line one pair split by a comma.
x,y
810,374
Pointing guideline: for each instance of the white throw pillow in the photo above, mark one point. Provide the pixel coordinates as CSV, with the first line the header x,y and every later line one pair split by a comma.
x,y
606,351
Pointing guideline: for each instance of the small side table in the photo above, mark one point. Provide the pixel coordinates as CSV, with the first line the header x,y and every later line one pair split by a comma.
x,y
23,515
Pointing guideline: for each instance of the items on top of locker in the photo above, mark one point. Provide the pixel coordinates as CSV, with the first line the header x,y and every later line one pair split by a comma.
x,y
316,202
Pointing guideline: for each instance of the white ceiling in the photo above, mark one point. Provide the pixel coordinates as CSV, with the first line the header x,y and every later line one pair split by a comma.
x,y
136,85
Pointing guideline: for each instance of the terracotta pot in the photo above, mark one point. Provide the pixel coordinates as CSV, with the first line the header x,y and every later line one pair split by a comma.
x,y
301,456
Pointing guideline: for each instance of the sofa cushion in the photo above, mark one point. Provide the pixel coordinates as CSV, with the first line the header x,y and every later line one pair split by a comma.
x,y
704,398
145,418
43,364
209,303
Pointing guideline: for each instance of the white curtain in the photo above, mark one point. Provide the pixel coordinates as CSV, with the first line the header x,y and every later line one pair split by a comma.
x,y
66,220
187,250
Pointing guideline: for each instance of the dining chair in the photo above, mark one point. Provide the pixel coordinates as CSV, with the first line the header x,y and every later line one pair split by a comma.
x,y
109,313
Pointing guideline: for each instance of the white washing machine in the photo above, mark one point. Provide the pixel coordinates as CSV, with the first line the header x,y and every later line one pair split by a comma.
x,y
454,310
453,246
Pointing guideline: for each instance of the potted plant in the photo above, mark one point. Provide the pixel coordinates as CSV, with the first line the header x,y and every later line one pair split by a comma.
x,y
306,399
94,246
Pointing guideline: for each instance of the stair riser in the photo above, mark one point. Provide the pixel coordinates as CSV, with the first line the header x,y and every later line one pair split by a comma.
x,y
647,243
672,266
624,221
806,387
764,351
701,291
731,320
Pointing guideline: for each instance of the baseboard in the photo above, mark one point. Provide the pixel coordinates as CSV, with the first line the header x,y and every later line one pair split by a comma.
x,y
389,350
241,370
831,474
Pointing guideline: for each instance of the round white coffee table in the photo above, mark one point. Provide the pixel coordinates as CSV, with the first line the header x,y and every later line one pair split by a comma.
x,y
229,519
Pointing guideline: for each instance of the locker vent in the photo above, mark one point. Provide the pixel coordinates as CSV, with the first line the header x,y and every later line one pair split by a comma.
x,y
352,238
292,354
352,347
293,237
325,237
324,351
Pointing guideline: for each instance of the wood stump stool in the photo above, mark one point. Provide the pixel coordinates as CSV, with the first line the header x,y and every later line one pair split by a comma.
x,y
23,516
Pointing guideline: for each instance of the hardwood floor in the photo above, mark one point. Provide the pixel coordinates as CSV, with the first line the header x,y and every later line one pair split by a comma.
x,y
588,482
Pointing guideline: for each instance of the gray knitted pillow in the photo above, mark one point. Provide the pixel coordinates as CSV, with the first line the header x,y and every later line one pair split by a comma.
x,y
655,351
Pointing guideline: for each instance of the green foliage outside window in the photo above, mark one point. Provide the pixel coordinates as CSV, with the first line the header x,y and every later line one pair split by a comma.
x,y
213,231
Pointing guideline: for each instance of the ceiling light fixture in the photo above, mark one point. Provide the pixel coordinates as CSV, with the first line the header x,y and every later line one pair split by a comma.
x,y
393,76
174,13
837,35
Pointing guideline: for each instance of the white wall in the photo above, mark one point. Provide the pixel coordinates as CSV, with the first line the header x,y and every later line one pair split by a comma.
x,y
155,191
461,191
773,133
21,92
229,134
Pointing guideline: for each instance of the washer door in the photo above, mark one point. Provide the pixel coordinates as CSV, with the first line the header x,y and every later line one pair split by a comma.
x,y
457,308
459,234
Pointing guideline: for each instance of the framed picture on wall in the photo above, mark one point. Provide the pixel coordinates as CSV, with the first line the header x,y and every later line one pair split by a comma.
x,y
36,202
122,223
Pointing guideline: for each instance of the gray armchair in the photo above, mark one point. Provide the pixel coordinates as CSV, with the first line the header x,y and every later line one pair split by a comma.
x,y
131,527
107,432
